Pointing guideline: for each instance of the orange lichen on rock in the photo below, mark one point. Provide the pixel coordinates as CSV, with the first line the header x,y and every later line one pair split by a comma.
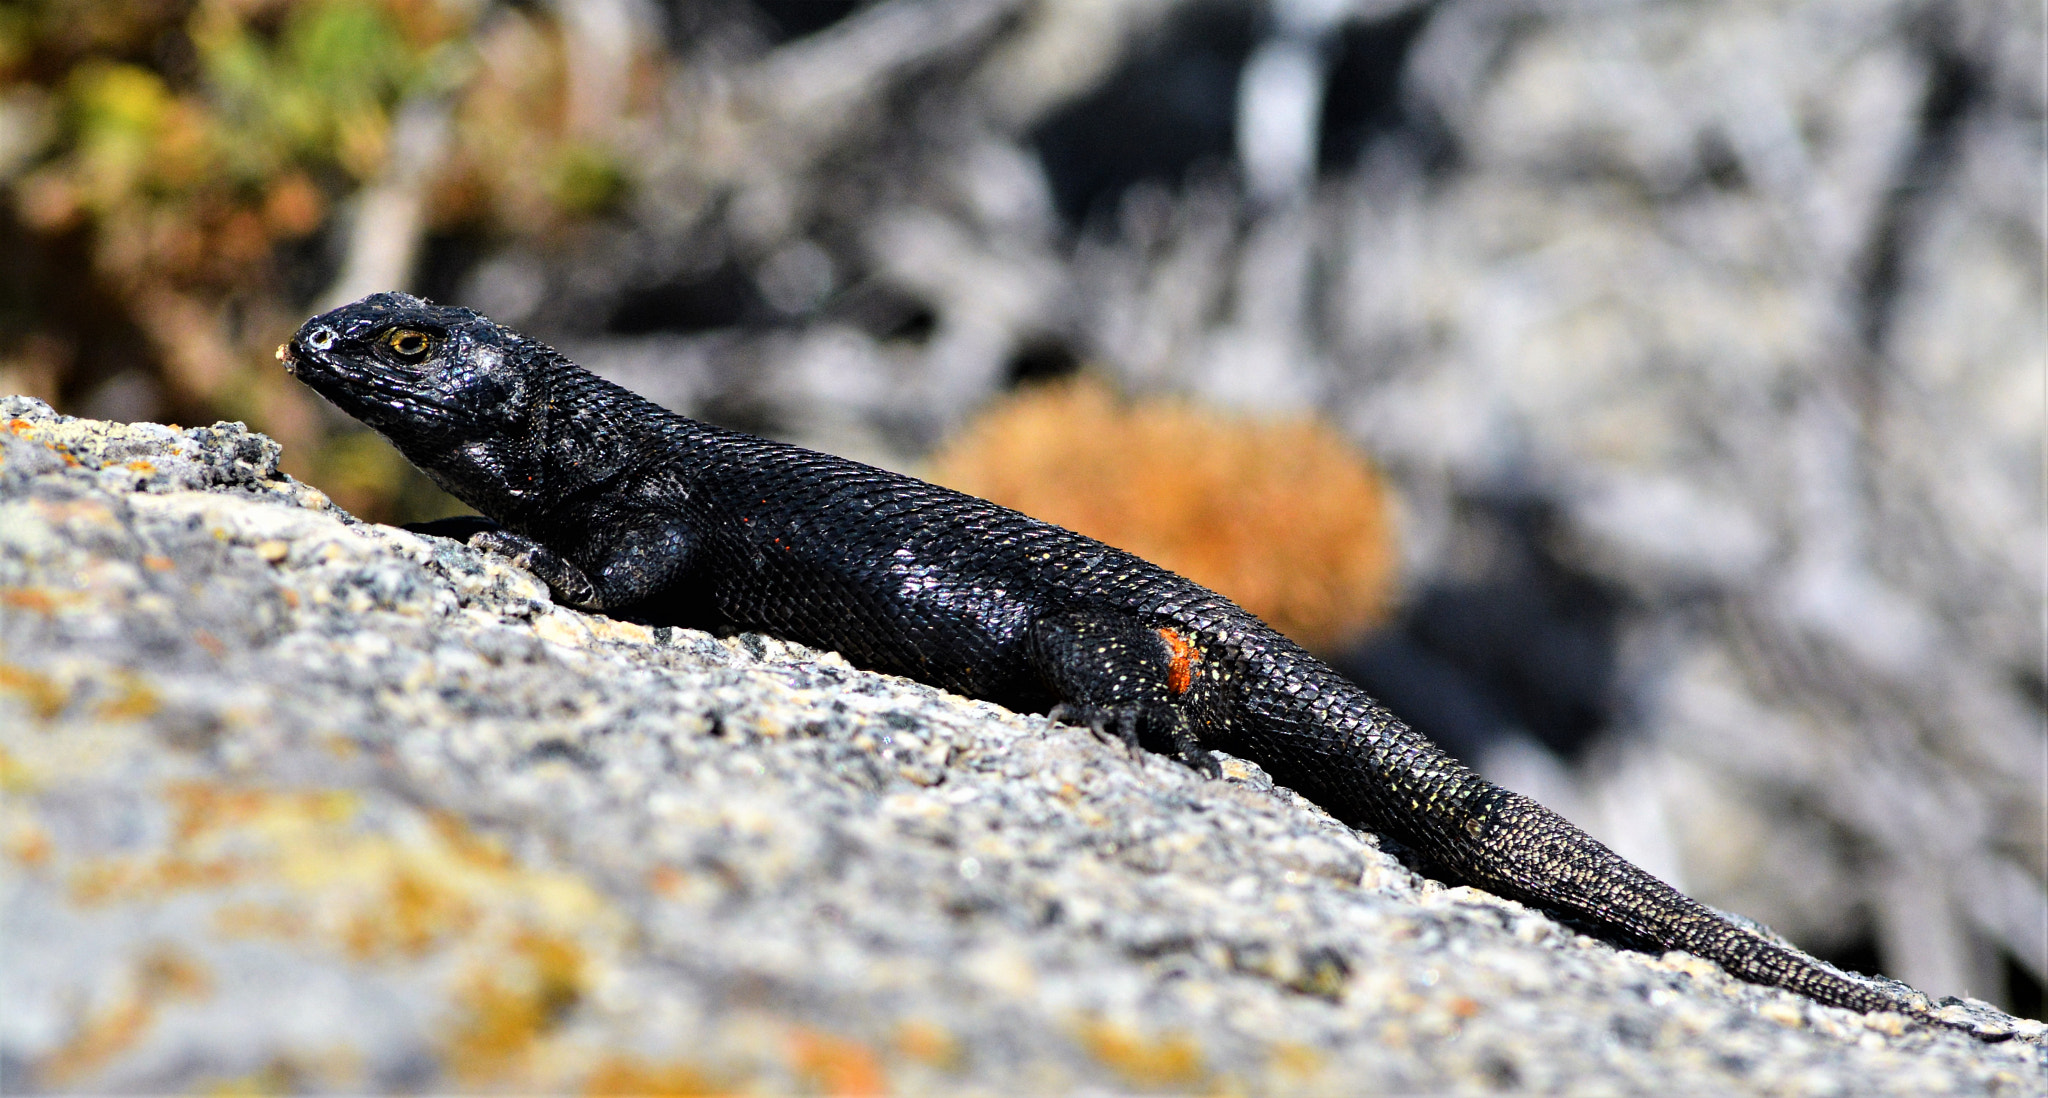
x,y
37,599
627,1075
836,1065
1169,1062
1283,516
27,844
927,1042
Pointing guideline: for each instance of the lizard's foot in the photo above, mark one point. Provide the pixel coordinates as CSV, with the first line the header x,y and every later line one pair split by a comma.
x,y
566,581
1099,720
1113,669
1190,750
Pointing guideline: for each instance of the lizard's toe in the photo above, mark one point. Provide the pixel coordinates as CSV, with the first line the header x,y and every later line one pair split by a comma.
x,y
1107,722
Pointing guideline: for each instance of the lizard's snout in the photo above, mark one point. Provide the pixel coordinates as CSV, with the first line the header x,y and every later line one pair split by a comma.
x,y
318,338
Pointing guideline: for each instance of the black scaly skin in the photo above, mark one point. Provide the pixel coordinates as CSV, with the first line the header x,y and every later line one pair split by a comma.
x,y
624,507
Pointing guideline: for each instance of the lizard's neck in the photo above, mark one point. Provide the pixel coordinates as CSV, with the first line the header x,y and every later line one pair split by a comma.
x,y
585,432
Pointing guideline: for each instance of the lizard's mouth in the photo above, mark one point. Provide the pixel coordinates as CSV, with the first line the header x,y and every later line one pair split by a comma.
x,y
288,359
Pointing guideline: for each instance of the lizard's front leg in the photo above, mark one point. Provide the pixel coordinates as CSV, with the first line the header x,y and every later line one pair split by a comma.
x,y
1112,670
624,565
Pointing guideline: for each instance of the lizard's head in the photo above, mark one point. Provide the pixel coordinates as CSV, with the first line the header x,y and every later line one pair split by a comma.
x,y
449,387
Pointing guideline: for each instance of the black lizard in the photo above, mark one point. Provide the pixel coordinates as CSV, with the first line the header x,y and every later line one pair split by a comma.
x,y
621,506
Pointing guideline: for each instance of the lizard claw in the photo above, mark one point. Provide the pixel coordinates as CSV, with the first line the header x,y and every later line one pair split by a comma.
x,y
1098,719
568,583
1190,750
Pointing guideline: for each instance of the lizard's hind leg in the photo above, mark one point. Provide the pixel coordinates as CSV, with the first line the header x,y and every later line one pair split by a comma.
x,y
1111,670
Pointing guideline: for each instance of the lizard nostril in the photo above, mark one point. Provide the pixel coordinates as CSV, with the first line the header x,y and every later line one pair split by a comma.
x,y
320,338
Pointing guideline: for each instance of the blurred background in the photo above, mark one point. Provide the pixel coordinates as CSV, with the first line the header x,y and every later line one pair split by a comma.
x,y
1645,399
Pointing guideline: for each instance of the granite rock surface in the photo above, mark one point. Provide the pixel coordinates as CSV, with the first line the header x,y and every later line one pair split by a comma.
x,y
295,801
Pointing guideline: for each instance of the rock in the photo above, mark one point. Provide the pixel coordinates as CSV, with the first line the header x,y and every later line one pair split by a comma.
x,y
296,801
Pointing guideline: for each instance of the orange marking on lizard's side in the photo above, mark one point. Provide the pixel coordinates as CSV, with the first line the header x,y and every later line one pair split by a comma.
x,y
1180,672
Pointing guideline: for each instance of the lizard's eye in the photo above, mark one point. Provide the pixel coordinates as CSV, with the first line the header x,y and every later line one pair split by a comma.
x,y
408,344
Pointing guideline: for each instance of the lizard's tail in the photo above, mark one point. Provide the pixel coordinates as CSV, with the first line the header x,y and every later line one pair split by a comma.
x,y
1536,855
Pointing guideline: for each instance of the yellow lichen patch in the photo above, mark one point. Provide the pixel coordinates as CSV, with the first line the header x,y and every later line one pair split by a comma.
x,y
1170,1061
627,1076
511,1003
105,1035
202,809
374,896
45,697
15,776
271,1079
1283,516
480,851
135,701
127,880
1298,1060
335,1067
927,1042
836,1065
313,869
27,844
381,899
159,975
254,920
173,974
416,913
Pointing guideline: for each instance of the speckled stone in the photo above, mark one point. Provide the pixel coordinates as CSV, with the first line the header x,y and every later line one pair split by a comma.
x,y
292,800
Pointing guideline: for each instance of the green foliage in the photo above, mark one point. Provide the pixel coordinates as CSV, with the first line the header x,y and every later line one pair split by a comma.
x,y
160,158
319,91
314,91
587,180
118,114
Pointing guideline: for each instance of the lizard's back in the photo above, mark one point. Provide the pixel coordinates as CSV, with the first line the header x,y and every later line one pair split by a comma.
x,y
903,575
